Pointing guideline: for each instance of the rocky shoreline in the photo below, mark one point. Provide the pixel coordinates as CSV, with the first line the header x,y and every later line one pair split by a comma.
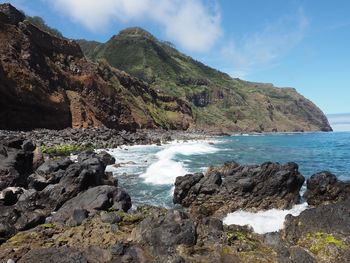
x,y
100,138
57,210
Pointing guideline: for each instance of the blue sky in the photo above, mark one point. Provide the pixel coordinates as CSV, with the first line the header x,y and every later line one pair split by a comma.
x,y
290,43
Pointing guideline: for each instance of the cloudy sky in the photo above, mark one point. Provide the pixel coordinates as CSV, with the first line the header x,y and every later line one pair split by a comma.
x,y
290,43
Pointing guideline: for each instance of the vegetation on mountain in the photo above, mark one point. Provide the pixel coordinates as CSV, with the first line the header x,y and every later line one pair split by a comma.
x,y
217,100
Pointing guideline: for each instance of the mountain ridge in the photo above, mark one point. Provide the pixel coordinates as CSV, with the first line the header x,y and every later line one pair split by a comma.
x,y
217,100
132,81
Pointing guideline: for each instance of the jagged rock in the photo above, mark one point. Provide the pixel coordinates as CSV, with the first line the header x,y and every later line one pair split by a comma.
x,y
53,184
106,158
95,199
57,255
324,187
51,166
11,14
323,231
164,232
10,195
15,163
233,187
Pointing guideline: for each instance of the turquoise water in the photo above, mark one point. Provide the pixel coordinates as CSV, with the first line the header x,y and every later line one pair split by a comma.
x,y
150,176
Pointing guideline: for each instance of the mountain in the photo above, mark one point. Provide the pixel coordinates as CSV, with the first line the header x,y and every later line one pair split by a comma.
x,y
46,82
218,101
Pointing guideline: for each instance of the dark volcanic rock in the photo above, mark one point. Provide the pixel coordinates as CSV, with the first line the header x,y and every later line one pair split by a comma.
x,y
84,184
163,233
12,15
324,187
57,255
95,199
106,158
16,163
323,231
232,187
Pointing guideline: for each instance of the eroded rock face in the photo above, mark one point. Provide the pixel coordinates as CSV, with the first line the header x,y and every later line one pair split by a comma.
x,y
324,187
46,82
233,186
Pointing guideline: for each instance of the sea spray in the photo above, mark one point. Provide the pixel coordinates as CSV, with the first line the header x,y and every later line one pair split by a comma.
x,y
166,169
264,221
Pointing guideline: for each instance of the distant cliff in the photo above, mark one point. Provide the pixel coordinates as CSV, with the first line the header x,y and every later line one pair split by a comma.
x,y
218,101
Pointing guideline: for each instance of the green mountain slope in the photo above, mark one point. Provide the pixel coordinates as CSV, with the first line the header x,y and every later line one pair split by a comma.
x,y
218,101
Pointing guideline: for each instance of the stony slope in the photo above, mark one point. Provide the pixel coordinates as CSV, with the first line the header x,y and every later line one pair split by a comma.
x,y
217,100
46,82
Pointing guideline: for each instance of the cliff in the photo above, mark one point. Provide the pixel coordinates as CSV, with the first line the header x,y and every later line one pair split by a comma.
x,y
218,101
46,82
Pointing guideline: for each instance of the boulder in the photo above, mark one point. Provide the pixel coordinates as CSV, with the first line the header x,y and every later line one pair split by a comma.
x,y
324,187
95,199
231,187
106,158
54,254
162,233
84,184
16,163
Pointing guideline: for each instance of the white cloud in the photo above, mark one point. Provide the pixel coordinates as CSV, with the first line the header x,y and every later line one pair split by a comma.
x,y
190,23
263,49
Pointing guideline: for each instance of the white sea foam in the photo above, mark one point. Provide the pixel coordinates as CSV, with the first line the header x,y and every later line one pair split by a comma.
x,y
165,169
264,221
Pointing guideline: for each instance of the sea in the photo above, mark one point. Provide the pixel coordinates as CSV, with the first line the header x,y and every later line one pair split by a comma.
x,y
148,172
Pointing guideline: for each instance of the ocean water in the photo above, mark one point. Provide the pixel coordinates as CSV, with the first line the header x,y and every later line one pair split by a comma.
x,y
149,172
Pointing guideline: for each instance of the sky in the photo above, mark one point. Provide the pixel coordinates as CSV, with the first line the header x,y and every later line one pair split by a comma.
x,y
291,43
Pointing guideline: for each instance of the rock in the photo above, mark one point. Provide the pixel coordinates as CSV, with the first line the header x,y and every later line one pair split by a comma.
x,y
78,216
323,231
13,16
106,158
28,146
118,249
95,254
95,199
15,164
163,233
298,254
53,254
232,187
38,158
51,166
84,184
324,187
111,218
9,197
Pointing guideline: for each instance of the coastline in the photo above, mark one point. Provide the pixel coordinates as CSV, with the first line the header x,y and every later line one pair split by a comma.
x,y
63,203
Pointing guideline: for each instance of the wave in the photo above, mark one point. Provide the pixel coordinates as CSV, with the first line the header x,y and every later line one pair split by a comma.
x,y
265,221
166,169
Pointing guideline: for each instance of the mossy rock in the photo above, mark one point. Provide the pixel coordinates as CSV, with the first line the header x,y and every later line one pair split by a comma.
x,y
65,149
322,244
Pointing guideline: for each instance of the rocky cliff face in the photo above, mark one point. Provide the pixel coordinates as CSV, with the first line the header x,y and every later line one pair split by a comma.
x,y
46,81
217,100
